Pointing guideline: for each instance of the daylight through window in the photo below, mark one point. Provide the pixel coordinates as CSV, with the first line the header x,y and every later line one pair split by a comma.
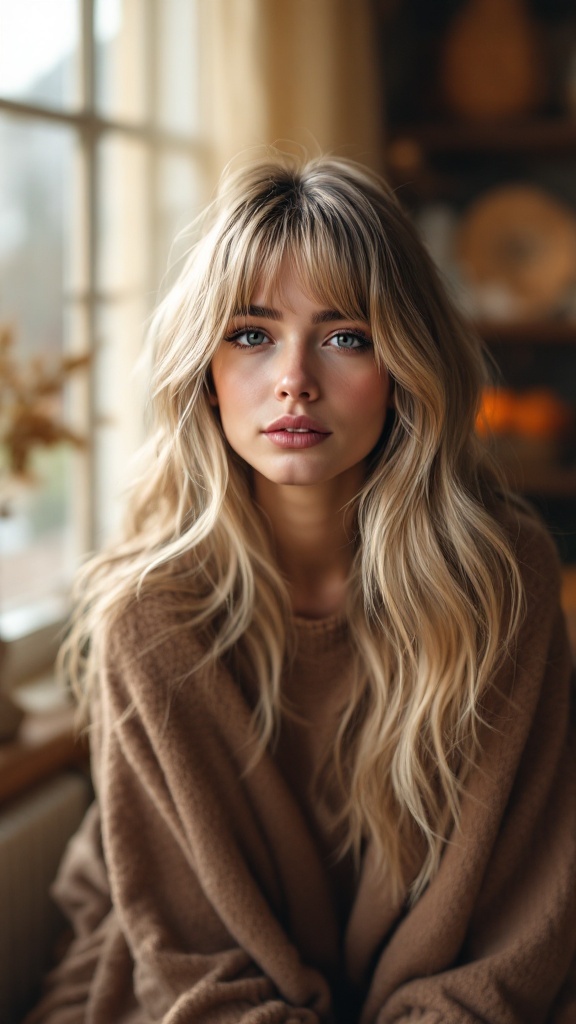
x,y
101,167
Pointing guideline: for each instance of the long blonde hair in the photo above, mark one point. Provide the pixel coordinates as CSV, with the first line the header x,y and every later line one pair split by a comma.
x,y
435,594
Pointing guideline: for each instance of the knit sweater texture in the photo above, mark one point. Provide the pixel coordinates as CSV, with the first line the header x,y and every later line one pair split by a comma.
x,y
200,893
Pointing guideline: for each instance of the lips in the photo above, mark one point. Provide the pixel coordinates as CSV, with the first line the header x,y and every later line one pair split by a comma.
x,y
296,432
300,424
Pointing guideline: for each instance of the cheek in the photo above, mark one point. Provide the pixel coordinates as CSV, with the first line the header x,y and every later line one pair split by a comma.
x,y
235,393
237,389
370,394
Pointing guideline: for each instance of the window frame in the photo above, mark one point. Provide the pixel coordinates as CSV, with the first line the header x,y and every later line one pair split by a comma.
x,y
30,633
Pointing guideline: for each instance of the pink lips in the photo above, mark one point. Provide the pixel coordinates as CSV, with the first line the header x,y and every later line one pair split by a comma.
x,y
296,432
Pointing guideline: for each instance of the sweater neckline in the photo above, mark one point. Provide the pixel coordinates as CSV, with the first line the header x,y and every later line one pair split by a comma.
x,y
325,623
316,636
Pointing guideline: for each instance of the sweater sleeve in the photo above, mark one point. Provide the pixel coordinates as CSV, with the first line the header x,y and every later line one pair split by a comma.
x,y
492,939
197,910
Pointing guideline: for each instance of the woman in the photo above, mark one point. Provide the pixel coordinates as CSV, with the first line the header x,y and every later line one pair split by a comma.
x,y
327,669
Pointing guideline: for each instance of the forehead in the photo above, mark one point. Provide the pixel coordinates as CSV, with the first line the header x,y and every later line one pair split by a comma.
x,y
288,296
287,287
296,281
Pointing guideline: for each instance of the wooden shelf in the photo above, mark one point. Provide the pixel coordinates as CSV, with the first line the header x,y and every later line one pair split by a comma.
x,y
545,332
546,481
554,136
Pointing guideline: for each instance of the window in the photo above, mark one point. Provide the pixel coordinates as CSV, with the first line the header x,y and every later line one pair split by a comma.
x,y
102,164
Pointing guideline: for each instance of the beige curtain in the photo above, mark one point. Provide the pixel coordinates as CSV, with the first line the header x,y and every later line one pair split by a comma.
x,y
292,73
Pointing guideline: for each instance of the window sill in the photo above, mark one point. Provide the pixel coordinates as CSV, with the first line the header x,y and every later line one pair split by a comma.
x,y
46,742
30,639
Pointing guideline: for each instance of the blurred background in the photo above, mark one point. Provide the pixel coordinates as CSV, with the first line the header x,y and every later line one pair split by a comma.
x,y
116,119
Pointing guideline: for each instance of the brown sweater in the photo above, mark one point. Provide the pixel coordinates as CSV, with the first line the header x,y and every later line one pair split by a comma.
x,y
216,898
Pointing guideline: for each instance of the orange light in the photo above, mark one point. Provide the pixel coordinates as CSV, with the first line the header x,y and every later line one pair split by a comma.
x,y
537,413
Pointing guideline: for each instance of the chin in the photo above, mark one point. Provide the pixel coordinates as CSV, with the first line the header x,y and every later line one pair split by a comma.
x,y
293,479
290,475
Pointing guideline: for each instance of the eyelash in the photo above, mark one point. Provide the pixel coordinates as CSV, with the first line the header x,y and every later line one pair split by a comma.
x,y
238,334
361,335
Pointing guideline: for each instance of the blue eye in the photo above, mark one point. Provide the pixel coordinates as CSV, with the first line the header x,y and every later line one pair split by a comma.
x,y
248,338
349,340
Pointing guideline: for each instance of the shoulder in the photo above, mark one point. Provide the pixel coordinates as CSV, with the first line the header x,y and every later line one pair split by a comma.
x,y
145,616
535,552
531,683
532,606
540,648
151,637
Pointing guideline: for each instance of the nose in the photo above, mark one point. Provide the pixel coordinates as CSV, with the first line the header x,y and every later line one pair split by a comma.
x,y
295,375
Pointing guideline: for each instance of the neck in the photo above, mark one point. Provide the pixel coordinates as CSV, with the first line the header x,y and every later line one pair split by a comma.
x,y
313,531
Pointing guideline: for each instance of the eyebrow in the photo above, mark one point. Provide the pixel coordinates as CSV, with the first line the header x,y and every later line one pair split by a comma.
x,y
324,316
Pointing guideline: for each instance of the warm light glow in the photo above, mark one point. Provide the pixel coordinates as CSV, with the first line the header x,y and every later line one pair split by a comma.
x,y
535,413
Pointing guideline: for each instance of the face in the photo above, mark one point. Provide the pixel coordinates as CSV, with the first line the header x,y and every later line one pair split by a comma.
x,y
301,399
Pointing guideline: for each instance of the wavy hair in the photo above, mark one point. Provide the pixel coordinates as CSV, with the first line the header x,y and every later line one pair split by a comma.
x,y
434,596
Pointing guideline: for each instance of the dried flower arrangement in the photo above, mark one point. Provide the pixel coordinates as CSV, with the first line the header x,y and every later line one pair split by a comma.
x,y
29,412
30,417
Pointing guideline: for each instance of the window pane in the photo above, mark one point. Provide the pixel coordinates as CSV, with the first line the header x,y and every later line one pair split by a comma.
x,y
123,243
124,279
39,51
178,58
36,184
37,175
36,554
120,37
120,400
181,196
